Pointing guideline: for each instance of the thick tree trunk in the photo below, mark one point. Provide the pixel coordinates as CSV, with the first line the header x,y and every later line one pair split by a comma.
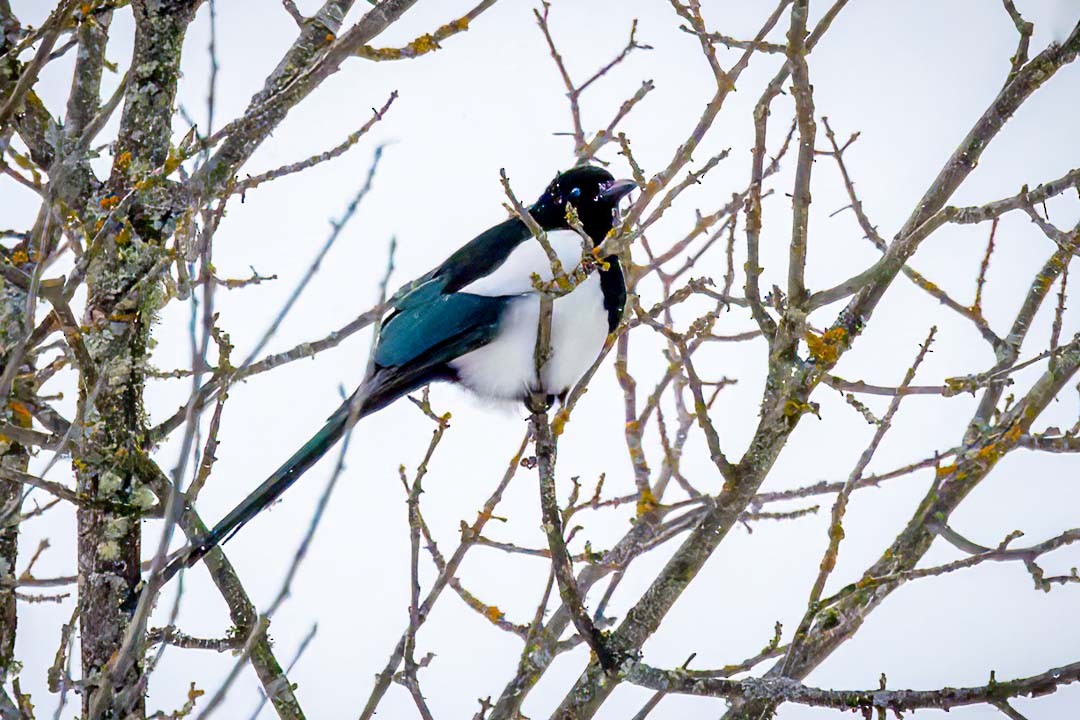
x,y
124,293
13,456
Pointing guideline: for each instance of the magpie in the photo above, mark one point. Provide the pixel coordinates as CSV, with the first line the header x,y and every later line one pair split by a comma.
x,y
473,320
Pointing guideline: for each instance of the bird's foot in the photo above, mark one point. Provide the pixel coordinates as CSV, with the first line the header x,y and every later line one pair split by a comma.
x,y
539,402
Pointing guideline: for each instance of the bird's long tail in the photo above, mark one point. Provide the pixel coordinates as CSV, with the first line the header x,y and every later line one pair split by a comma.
x,y
376,392
354,408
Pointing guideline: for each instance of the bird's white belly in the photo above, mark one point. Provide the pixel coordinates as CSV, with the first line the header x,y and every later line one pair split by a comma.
x,y
505,368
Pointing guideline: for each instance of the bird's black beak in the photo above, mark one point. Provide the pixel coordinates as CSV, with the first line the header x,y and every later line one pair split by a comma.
x,y
617,190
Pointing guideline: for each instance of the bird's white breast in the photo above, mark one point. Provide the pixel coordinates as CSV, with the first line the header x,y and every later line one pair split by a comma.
x,y
514,275
505,368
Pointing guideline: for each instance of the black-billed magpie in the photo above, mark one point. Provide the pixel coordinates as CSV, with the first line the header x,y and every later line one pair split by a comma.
x,y
473,320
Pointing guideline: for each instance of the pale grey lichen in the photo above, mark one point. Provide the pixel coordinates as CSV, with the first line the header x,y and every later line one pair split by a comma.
x,y
143,497
109,550
109,483
117,371
12,310
117,527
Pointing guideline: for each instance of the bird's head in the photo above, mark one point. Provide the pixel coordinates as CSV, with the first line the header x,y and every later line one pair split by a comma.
x,y
593,192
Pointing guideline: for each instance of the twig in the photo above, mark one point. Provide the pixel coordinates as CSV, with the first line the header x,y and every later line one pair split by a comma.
x,y
377,114
836,531
294,12
336,227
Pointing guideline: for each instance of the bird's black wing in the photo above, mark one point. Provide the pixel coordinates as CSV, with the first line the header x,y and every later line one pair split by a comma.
x,y
482,255
431,324
431,321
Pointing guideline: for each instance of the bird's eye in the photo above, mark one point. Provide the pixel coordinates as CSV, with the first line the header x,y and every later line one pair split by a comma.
x,y
575,193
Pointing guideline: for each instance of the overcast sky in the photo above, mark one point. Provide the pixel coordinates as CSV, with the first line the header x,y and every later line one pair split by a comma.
x,y
910,76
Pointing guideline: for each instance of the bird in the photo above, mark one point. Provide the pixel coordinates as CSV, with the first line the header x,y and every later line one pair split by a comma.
x,y
473,320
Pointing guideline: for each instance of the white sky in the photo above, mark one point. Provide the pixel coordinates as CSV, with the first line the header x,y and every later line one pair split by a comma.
x,y
911,77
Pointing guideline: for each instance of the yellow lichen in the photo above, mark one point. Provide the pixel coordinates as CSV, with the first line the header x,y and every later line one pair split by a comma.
x,y
23,161
22,414
646,502
826,348
424,44
600,262
944,470
794,408
172,161
558,423
493,613
109,202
